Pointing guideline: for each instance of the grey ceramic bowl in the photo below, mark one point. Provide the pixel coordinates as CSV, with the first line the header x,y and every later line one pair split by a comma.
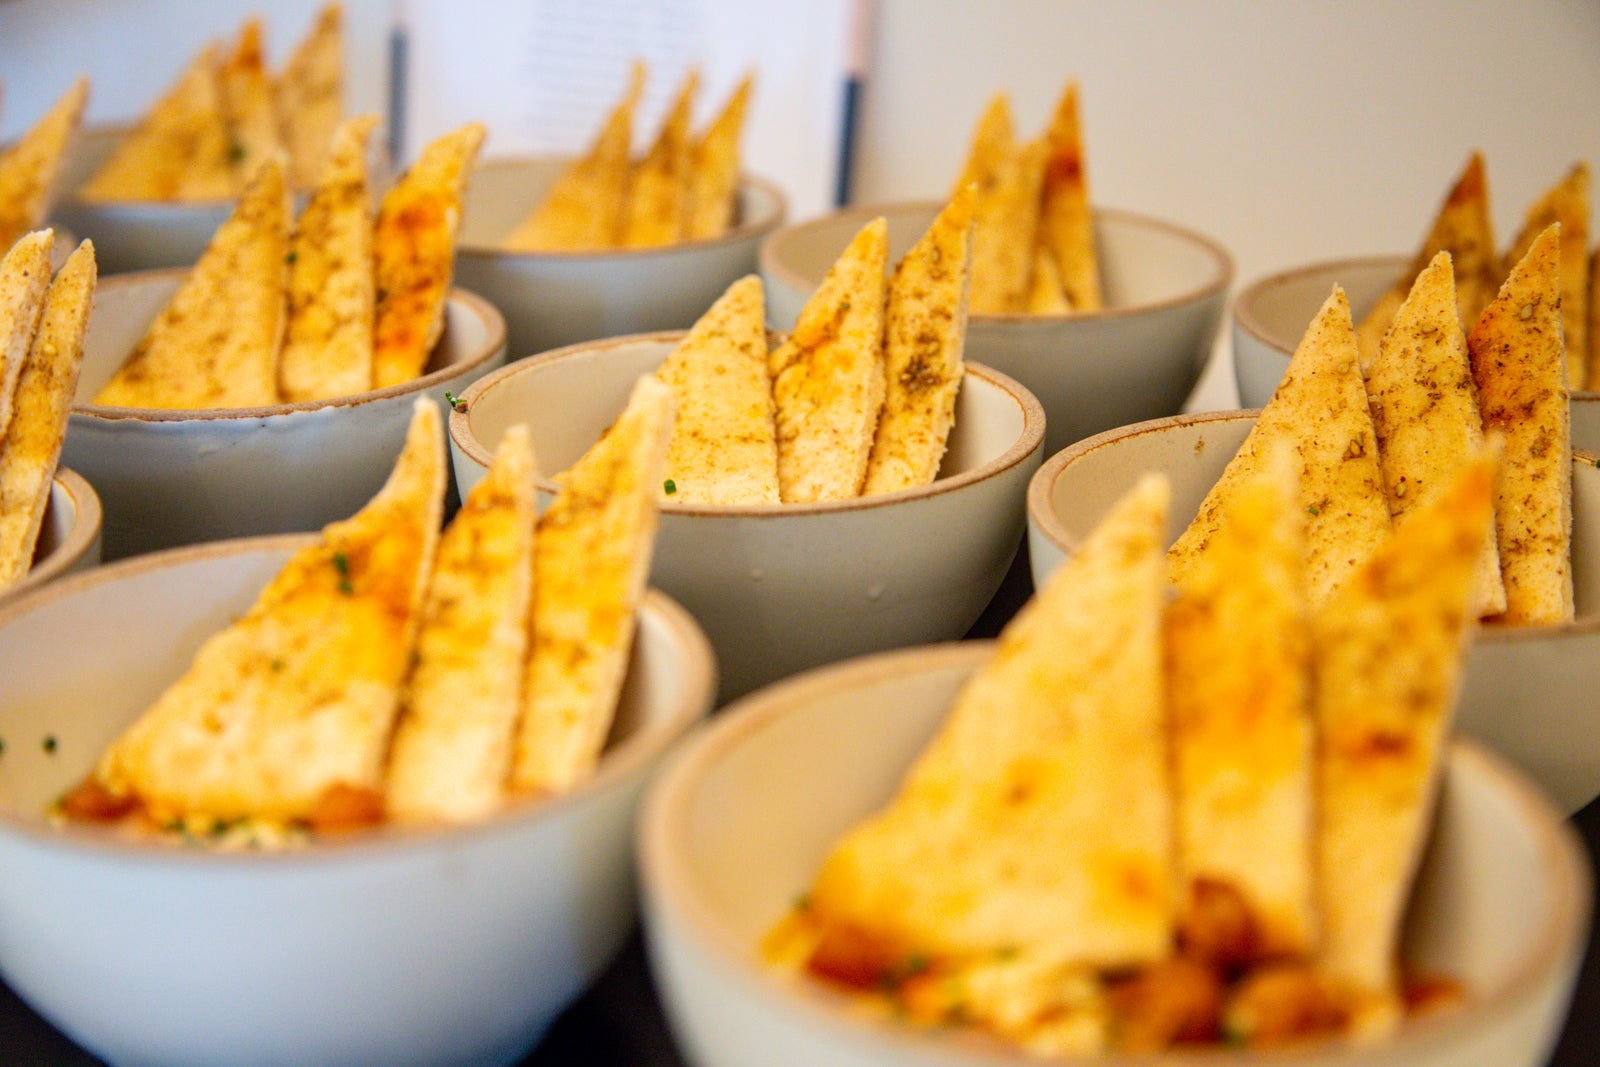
x,y
388,947
734,829
1137,359
171,478
551,299
1527,691
69,539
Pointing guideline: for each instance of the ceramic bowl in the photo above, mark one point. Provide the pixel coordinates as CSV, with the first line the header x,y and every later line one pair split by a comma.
x,y
387,948
1528,691
783,587
69,539
179,477
1137,359
735,827
552,299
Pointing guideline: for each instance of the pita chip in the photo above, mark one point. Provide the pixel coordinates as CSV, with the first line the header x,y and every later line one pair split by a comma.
x,y
658,200
828,378
1039,815
1066,225
1388,649
452,747
24,277
1045,294
1005,225
1517,354
287,713
414,251
714,168
724,447
924,336
593,554
309,96
216,344
28,169
1566,203
1592,330
993,142
327,347
1320,409
31,445
583,210
247,103
1425,410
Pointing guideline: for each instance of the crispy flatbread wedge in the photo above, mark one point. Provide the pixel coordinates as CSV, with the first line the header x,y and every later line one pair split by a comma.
x,y
309,96
451,757
1066,225
1045,295
594,549
180,148
1425,410
924,336
414,251
658,199
1464,229
1005,226
828,379
1517,355
291,709
1387,649
724,447
31,445
1039,816
216,344
714,168
29,167
583,210
1593,328
1566,203
1320,407
993,142
1237,660
247,103
24,277
327,347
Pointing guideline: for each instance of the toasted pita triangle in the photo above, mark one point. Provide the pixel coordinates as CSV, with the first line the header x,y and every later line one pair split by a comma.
x,y
1425,410
216,344
583,210
180,148
1388,649
1464,229
724,449
993,142
1593,328
1566,203
309,96
24,277
1045,295
714,168
924,335
452,747
1320,408
1005,225
1517,364
828,379
595,544
296,701
327,347
658,200
1039,816
247,103
1237,659
1066,225
31,445
414,251
29,167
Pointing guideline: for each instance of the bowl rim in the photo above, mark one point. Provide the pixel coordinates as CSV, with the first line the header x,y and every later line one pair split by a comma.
x,y
1030,439
619,764
87,517
759,226
1245,316
661,846
1223,266
494,342
1043,519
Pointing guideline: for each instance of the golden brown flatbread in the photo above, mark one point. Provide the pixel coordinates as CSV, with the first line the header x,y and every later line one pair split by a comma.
x,y
24,277
658,195
1066,225
247,104
1005,226
1045,294
28,168
714,168
1566,203
309,96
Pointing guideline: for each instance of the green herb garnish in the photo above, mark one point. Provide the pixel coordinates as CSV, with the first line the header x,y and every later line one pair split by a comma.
x,y
50,743
455,403
291,257
235,152
341,563
669,486
1313,510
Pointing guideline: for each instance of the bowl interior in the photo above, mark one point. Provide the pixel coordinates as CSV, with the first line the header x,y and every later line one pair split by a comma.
x,y
1278,308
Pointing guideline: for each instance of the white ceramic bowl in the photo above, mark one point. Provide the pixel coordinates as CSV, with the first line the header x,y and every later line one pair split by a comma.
x,y
552,299
179,477
388,948
735,827
784,587
1528,691
69,539
1139,358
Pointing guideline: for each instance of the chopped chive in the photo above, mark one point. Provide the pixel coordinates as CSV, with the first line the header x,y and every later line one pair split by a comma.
x,y
669,486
